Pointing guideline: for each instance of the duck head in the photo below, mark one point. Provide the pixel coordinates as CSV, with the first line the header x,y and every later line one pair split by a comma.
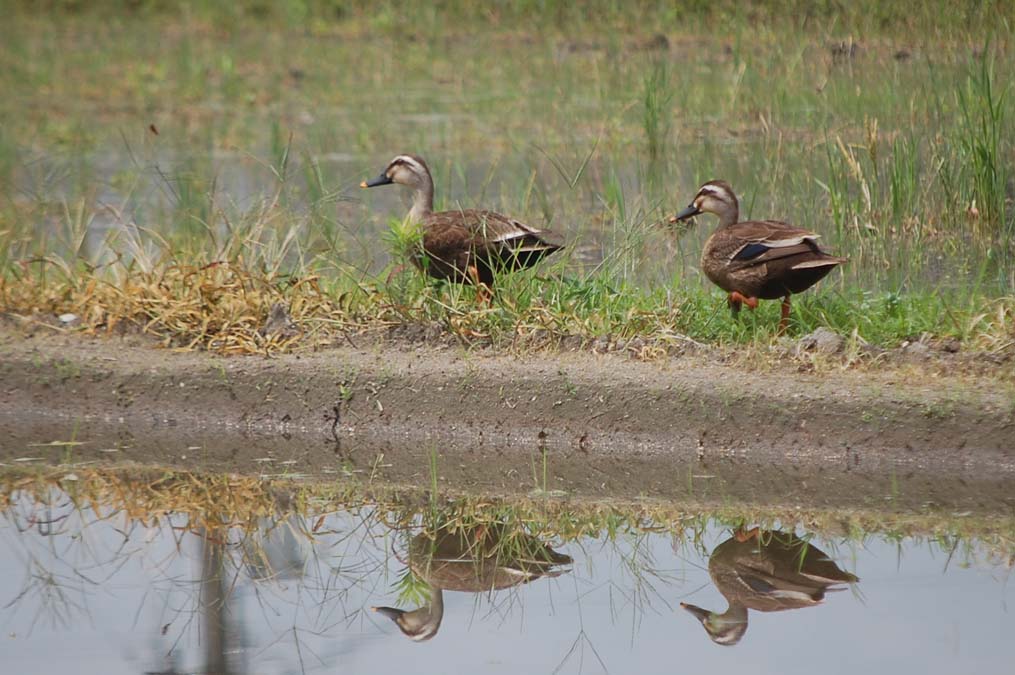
x,y
725,629
419,624
409,170
715,196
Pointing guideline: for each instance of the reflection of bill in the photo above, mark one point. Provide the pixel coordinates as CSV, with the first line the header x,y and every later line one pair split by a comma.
x,y
471,560
768,572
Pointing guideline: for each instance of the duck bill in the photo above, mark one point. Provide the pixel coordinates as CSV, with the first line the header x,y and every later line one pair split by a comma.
x,y
699,613
688,212
383,179
389,612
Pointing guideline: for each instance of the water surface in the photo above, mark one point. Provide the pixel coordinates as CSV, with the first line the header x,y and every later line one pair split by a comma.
x,y
89,594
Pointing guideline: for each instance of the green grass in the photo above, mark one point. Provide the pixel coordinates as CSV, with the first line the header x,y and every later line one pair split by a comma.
x,y
142,146
658,99
947,19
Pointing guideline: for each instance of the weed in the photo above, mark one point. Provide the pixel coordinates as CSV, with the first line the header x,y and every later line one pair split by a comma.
x,y
983,108
238,191
656,100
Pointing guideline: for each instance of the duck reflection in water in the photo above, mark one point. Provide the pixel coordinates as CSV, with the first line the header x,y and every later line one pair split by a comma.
x,y
471,560
767,571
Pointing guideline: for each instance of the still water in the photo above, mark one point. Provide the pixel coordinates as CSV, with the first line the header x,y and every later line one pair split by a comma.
x,y
92,592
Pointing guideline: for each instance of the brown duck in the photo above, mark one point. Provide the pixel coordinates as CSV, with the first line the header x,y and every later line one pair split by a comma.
x,y
753,259
465,245
767,572
473,560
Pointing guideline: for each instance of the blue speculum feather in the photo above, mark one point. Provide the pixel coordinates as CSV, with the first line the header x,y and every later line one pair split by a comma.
x,y
750,251
759,585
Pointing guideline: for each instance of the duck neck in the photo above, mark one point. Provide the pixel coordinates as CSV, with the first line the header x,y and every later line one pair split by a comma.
x,y
736,613
422,201
731,216
729,627
436,602
431,615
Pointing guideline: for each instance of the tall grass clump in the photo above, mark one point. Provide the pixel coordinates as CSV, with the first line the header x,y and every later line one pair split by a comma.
x,y
982,144
904,178
657,97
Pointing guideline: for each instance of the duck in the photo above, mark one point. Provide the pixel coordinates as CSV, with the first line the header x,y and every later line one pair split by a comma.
x,y
476,559
465,245
767,571
756,259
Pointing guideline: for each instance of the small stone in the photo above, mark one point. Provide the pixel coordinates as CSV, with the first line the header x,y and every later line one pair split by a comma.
x,y
917,350
658,41
843,50
822,341
69,319
571,343
280,323
871,351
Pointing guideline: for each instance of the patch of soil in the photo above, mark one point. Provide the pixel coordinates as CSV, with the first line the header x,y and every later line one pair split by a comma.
x,y
586,424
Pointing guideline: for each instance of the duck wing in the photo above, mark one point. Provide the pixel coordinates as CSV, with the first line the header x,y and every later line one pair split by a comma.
x,y
497,241
766,586
762,241
496,231
455,241
486,230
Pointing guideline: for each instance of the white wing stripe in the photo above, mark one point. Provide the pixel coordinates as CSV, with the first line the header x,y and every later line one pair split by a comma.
x,y
516,234
785,243
816,263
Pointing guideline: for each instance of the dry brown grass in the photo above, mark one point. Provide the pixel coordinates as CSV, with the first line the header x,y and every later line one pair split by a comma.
x,y
209,501
226,307
219,306
216,501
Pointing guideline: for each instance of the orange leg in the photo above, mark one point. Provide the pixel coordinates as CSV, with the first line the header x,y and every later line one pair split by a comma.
x,y
736,299
784,320
743,535
398,269
484,296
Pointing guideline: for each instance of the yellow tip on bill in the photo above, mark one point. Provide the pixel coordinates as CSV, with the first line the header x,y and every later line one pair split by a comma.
x,y
363,184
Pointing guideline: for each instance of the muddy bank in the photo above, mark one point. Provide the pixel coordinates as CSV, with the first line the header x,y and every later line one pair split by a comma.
x,y
583,424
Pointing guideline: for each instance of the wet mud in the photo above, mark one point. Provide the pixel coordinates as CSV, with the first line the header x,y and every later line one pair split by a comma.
x,y
573,424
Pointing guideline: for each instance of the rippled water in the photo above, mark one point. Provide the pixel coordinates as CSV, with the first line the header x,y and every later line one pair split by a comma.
x,y
107,595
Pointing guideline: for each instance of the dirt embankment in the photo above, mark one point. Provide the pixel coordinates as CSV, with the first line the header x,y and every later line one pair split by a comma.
x,y
581,423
